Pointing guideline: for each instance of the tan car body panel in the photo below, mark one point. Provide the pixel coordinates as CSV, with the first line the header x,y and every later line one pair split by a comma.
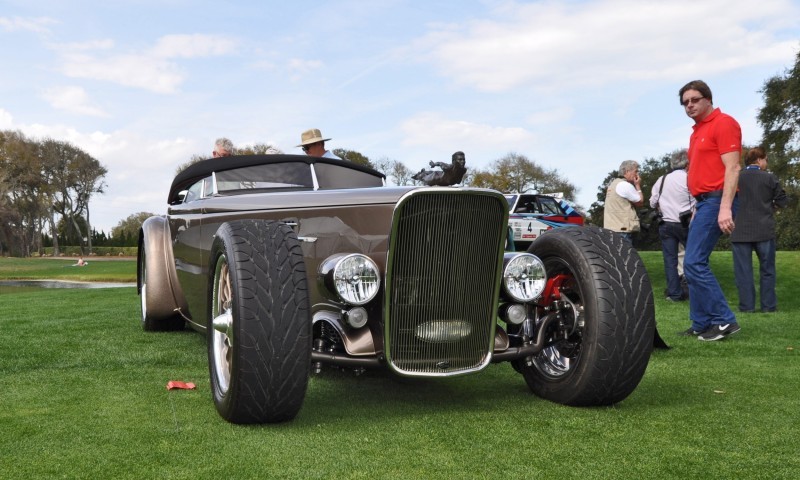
x,y
325,221
164,295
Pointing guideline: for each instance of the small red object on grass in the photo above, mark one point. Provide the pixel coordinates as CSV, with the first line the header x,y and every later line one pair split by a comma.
x,y
174,384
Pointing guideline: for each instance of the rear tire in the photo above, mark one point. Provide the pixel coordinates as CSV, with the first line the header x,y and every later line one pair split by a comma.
x,y
604,359
259,332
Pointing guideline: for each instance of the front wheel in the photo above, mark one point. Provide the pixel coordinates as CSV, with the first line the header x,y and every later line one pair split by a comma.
x,y
259,332
602,355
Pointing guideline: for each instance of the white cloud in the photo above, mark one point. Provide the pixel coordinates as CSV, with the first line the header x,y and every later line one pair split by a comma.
x,y
36,25
299,68
432,129
6,120
130,70
550,117
262,64
72,99
193,46
608,41
295,69
153,69
102,44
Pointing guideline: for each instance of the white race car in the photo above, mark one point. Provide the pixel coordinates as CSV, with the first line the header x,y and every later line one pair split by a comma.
x,y
530,215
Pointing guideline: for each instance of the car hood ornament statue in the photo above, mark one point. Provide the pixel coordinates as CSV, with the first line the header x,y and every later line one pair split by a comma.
x,y
451,173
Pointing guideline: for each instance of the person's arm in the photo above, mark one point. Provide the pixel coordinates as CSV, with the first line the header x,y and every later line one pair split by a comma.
x,y
654,194
779,198
637,182
732,167
631,193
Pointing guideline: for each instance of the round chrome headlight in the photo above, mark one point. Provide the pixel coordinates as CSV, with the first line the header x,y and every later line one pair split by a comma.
x,y
355,278
524,277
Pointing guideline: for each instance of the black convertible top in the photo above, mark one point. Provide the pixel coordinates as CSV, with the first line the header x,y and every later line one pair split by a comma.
x,y
204,168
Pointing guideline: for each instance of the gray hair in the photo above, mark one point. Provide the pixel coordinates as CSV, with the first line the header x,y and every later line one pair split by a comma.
x,y
224,144
627,166
679,161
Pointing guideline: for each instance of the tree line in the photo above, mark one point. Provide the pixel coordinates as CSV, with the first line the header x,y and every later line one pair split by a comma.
x,y
45,188
512,173
43,183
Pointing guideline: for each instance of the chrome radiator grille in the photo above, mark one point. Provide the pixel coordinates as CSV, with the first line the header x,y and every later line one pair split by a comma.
x,y
443,274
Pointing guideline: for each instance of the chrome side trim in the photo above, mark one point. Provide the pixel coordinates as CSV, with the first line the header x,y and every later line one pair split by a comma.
x,y
314,176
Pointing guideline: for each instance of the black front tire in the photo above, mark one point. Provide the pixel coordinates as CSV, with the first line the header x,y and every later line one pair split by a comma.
x,y
604,358
259,332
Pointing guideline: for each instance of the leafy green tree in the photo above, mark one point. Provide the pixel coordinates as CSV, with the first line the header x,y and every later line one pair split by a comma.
x,y
255,149
353,156
38,181
192,160
25,194
400,173
396,171
129,228
69,233
89,180
99,239
780,120
258,149
597,209
76,176
517,173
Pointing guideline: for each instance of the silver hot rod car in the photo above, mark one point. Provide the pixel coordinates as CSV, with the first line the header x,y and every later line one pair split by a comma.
x,y
291,264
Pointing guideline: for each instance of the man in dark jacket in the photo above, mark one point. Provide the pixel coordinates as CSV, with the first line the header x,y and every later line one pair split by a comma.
x,y
759,195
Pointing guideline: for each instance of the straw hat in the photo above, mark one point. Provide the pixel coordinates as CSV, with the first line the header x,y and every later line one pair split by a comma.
x,y
311,136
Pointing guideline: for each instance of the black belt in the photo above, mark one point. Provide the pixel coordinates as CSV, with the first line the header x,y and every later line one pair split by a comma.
x,y
707,195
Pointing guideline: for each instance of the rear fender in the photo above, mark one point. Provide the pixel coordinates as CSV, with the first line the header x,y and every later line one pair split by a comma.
x,y
165,297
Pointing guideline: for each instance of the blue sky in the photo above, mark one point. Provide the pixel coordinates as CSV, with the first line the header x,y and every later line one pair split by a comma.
x,y
574,85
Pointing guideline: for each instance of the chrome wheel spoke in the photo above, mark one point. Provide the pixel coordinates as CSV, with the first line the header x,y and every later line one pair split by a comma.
x,y
222,325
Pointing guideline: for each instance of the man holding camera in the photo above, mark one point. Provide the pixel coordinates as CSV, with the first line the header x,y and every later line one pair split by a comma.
x,y
622,196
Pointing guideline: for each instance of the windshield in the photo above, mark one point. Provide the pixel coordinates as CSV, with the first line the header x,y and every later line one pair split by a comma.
x,y
535,204
270,176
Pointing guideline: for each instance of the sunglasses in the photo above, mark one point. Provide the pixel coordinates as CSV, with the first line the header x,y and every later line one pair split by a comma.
x,y
691,101
305,148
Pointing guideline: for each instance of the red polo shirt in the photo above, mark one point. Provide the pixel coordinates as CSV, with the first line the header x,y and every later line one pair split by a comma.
x,y
714,136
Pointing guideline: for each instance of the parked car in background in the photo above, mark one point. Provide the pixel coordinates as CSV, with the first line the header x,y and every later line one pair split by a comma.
x,y
294,264
530,215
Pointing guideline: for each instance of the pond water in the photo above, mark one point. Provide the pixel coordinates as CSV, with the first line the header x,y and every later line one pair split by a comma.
x,y
32,284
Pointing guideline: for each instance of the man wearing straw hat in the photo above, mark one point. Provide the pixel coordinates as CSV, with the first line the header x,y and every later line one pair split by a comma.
x,y
313,144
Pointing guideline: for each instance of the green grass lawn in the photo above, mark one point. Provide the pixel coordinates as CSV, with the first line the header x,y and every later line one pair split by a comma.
x,y
83,395
101,269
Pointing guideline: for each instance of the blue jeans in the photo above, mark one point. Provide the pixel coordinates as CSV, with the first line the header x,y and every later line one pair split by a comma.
x,y
707,304
743,271
672,234
627,236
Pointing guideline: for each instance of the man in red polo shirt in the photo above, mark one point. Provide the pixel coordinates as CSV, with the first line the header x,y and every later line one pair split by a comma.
x,y
714,163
